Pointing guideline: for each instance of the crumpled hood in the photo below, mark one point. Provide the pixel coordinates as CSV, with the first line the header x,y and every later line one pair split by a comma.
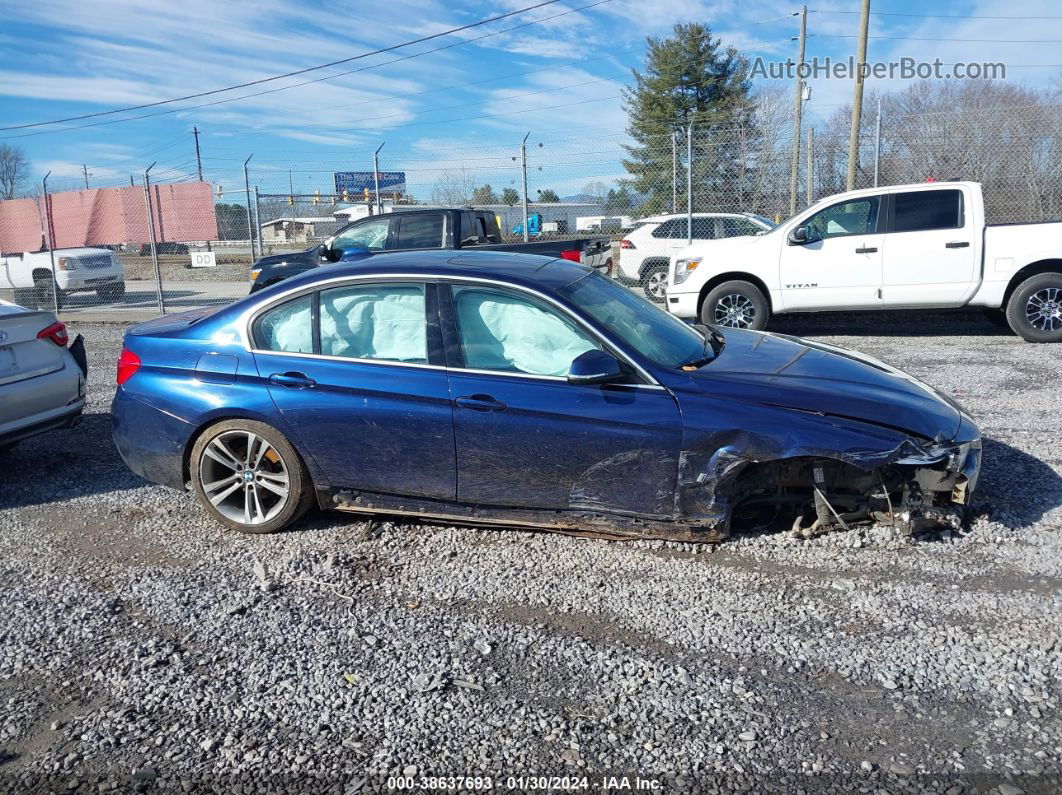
x,y
790,372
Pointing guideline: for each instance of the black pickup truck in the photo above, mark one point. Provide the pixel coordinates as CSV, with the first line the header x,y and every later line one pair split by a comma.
x,y
416,230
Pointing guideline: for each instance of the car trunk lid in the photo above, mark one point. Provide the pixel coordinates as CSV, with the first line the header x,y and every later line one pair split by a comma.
x,y
22,354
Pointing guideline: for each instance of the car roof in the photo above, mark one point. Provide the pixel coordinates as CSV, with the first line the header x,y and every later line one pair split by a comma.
x,y
518,268
659,219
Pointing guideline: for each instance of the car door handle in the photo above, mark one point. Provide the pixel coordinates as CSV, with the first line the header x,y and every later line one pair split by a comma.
x,y
292,380
957,244
480,403
866,251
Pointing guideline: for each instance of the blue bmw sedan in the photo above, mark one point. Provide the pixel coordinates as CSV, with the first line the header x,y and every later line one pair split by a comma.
x,y
508,389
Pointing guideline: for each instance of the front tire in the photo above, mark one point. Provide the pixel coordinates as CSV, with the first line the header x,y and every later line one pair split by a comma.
x,y
249,477
42,293
1034,310
736,304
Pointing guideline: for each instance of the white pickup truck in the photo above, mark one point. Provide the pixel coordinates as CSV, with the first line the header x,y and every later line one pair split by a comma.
x,y
922,246
29,275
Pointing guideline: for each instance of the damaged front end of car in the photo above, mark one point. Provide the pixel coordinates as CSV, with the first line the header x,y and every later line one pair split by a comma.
x,y
917,485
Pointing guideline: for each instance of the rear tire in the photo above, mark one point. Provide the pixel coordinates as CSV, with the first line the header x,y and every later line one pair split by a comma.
x,y
1034,310
736,304
111,293
654,283
249,477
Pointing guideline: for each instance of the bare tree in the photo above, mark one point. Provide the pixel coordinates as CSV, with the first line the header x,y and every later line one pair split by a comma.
x,y
14,169
453,186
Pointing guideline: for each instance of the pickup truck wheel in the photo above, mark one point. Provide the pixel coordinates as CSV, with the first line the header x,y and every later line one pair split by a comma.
x,y
42,293
654,283
111,292
1035,308
737,305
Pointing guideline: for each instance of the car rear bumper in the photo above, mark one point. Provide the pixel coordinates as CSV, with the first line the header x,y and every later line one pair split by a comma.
x,y
151,442
44,402
64,417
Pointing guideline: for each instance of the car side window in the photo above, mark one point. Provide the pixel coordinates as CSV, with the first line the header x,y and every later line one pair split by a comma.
x,y
374,321
371,234
668,229
703,229
420,231
738,227
500,330
852,217
921,211
287,328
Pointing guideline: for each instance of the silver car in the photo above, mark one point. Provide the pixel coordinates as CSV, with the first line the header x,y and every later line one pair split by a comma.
x,y
42,380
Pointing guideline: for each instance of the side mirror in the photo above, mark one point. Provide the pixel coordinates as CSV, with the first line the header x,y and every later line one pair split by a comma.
x,y
324,252
594,367
350,253
798,236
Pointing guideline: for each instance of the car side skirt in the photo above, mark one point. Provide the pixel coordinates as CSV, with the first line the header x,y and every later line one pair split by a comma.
x,y
596,524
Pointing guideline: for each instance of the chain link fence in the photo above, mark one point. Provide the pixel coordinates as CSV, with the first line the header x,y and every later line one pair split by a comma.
x,y
183,243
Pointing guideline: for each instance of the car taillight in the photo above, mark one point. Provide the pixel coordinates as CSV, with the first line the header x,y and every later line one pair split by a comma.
x,y
56,333
626,244
573,255
128,364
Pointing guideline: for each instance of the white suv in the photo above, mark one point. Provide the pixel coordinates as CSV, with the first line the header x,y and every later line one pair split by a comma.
x,y
647,249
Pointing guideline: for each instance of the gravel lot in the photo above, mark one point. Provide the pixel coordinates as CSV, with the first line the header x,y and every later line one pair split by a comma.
x,y
143,648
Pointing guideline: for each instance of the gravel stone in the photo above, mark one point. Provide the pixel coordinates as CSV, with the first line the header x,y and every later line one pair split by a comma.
x,y
140,636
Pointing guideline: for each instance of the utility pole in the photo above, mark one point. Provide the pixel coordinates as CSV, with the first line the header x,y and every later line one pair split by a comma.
x,y
154,242
857,99
674,171
376,174
198,159
523,169
84,170
689,184
51,244
258,222
247,194
794,167
877,143
811,165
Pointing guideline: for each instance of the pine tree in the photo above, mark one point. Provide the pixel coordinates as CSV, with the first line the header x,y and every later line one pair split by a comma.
x,y
510,196
548,196
687,78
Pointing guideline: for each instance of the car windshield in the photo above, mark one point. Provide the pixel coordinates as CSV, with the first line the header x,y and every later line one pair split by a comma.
x,y
655,334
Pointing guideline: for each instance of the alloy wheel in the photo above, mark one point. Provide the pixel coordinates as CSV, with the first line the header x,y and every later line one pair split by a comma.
x,y
1043,309
244,477
656,285
735,310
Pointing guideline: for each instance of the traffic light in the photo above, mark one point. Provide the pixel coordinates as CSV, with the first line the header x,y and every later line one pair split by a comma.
x,y
346,197
291,201
316,198
366,194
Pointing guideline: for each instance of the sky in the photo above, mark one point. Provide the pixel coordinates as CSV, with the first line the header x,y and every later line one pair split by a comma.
x,y
462,108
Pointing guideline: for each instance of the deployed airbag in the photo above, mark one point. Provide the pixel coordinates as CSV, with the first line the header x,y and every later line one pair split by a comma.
x,y
502,332
377,322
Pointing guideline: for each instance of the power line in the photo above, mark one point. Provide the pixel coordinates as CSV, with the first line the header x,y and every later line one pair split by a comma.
x,y
927,16
295,73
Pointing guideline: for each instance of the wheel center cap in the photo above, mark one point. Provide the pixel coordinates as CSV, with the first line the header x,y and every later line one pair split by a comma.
x,y
248,475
